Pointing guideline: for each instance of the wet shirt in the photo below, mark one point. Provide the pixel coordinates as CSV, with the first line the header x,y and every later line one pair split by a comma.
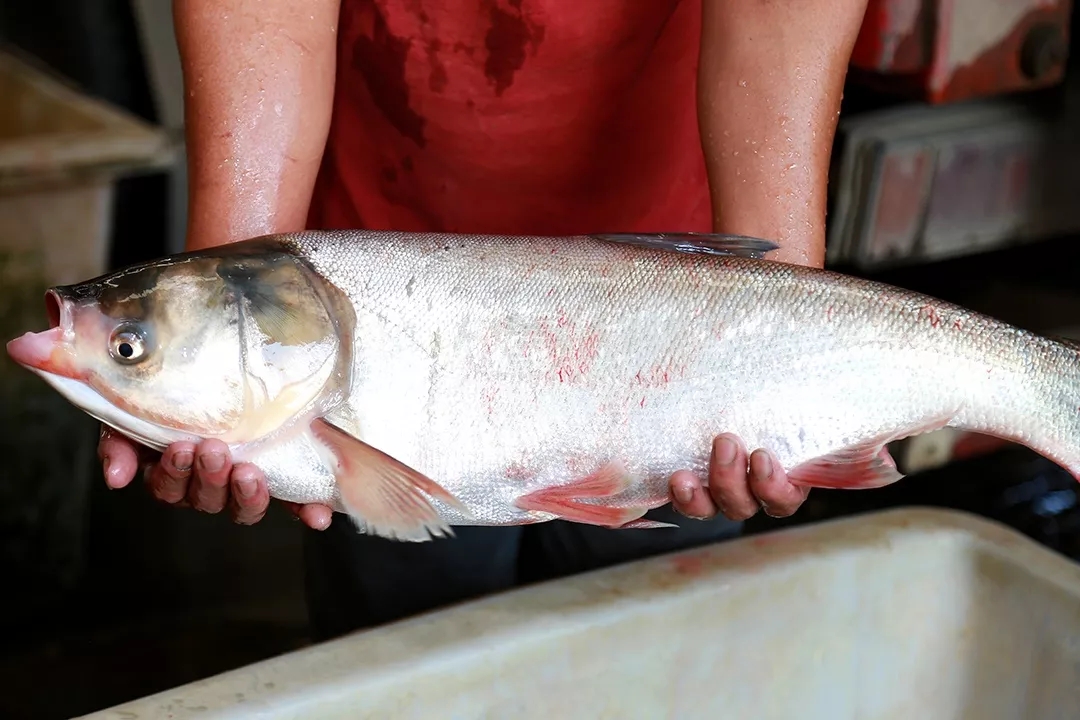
x,y
515,116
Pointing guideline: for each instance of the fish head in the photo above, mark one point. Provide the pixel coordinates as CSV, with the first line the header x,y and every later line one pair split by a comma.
x,y
230,343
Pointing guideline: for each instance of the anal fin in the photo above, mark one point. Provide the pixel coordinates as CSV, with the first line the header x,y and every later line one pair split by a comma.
x,y
384,496
861,467
565,501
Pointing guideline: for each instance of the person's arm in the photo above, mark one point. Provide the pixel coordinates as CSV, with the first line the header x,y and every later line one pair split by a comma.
x,y
770,80
258,95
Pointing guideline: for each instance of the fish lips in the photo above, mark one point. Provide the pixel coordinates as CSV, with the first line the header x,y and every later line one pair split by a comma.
x,y
49,351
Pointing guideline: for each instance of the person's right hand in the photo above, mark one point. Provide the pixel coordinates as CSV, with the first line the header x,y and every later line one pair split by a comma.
x,y
201,476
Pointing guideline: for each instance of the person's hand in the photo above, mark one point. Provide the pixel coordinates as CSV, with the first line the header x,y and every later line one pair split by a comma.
x,y
734,490
201,476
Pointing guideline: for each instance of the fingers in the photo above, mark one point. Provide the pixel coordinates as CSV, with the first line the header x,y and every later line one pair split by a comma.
x,y
728,484
690,497
738,486
119,458
769,483
316,517
208,490
199,476
168,479
250,498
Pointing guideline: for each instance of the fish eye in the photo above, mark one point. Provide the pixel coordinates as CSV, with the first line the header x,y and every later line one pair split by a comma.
x,y
128,345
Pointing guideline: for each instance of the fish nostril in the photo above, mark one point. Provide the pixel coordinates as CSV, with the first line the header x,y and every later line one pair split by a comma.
x,y
52,306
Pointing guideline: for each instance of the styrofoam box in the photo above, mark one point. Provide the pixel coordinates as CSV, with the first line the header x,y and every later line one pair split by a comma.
x,y
909,613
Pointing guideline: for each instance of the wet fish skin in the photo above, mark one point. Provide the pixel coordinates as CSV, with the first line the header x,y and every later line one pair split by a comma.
x,y
520,379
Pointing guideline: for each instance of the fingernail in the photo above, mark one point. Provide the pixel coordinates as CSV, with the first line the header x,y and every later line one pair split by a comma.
x,y
212,462
683,493
105,470
182,461
761,466
725,452
246,487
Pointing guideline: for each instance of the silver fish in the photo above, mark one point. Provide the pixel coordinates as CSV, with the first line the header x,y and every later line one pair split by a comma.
x,y
421,381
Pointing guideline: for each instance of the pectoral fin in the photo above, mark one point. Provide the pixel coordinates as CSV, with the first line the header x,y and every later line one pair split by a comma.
x,y
384,496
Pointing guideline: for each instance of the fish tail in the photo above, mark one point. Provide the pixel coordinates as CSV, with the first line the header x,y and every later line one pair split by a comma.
x,y
1035,404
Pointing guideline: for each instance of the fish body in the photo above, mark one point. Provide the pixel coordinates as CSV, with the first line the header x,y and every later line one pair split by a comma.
x,y
420,381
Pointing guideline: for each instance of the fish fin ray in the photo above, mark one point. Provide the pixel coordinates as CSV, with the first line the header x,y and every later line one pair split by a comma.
x,y
383,496
864,466
643,524
565,501
696,243
859,468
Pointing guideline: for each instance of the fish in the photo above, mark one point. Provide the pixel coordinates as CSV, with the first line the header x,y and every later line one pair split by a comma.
x,y
417,382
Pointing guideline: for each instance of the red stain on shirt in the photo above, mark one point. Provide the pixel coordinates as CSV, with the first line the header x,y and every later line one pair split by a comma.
x,y
515,116
379,57
506,42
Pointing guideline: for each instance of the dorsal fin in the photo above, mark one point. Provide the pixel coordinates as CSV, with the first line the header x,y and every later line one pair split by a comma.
x,y
700,243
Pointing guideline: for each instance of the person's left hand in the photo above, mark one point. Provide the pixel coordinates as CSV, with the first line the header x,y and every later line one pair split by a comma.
x,y
734,490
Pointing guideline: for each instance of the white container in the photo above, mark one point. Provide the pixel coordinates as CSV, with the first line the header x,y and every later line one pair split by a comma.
x,y
902,614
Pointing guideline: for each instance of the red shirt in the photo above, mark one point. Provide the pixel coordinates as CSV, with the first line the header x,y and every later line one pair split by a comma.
x,y
515,116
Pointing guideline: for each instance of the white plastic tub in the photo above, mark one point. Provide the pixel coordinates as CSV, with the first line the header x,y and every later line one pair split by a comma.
x,y
903,614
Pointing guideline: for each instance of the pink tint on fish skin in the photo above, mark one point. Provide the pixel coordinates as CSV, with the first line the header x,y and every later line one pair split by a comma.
x,y
520,473
572,349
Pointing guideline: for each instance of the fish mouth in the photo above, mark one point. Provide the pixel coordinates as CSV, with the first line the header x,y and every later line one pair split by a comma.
x,y
51,355
49,351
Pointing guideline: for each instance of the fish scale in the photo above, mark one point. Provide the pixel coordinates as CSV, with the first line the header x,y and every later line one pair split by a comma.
x,y
539,378
806,363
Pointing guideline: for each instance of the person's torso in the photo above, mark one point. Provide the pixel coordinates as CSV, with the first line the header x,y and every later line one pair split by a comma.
x,y
515,116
